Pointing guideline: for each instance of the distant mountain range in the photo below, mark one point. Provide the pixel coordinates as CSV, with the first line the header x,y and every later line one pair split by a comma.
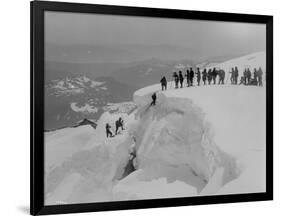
x,y
71,99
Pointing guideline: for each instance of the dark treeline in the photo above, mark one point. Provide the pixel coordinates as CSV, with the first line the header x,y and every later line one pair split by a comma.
x,y
214,76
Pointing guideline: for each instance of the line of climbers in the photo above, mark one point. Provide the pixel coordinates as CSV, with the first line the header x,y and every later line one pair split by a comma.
x,y
118,124
248,79
211,76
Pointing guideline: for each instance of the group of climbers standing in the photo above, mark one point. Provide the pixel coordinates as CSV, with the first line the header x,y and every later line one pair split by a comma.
x,y
207,77
212,75
248,79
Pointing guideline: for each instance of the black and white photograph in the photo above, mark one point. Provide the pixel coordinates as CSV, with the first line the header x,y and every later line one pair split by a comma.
x,y
141,108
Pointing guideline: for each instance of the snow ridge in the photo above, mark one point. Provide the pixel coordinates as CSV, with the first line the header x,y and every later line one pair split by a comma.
x,y
175,133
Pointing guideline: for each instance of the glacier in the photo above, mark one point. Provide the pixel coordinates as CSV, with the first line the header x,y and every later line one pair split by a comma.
x,y
196,141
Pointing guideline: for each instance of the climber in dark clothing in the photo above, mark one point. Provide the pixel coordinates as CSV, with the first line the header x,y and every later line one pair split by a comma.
x,y
153,96
108,131
214,75
204,76
245,76
260,73
221,76
119,123
210,76
242,80
198,74
176,77
254,81
181,78
236,74
163,82
187,78
248,76
255,75
191,75
232,76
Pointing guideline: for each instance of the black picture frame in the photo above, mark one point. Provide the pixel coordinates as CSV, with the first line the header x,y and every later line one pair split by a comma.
x,y
38,8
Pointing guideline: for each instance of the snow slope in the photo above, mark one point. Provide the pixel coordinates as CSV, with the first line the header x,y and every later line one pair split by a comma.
x,y
234,118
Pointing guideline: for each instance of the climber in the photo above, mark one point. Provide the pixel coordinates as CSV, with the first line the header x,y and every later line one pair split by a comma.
x,y
242,80
214,75
153,96
260,73
187,78
108,131
163,82
221,74
204,76
191,75
245,77
209,76
232,76
198,74
119,123
176,77
254,81
181,78
248,77
236,74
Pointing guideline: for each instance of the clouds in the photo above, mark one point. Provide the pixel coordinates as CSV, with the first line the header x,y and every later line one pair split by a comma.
x,y
206,37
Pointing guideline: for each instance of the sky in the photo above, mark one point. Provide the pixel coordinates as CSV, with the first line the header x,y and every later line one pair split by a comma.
x,y
107,34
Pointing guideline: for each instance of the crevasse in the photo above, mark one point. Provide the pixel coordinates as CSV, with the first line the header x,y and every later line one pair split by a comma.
x,y
175,134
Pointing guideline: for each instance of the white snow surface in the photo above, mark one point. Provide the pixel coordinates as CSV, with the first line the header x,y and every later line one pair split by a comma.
x,y
87,108
195,141
61,144
235,119
123,107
